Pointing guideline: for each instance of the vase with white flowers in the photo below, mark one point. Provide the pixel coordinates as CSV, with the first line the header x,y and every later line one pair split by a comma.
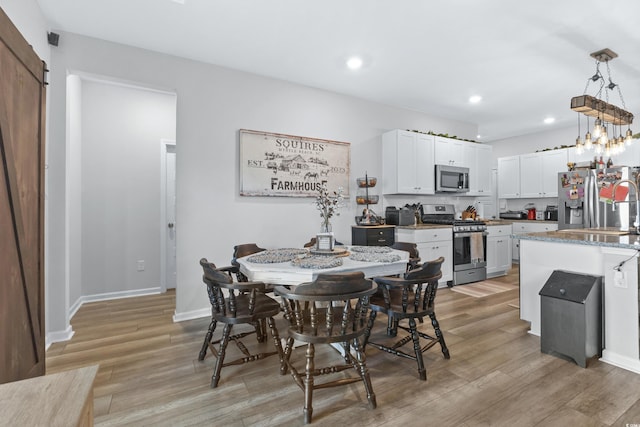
x,y
328,203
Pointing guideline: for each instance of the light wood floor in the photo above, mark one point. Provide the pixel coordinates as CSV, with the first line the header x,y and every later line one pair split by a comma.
x,y
149,374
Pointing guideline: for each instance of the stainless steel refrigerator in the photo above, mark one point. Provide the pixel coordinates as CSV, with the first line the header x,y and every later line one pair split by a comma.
x,y
585,199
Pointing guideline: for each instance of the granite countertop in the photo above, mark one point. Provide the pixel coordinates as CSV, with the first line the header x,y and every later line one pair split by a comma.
x,y
629,241
502,221
423,226
488,222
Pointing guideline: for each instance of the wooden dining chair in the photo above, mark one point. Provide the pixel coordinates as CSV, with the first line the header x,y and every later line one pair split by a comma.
x,y
414,254
240,251
409,298
332,309
236,303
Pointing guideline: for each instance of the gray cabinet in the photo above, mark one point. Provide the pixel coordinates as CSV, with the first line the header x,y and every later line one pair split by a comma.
x,y
376,235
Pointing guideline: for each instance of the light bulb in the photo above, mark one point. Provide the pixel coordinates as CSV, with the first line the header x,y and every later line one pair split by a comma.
x,y
628,136
603,136
598,147
587,141
597,128
607,149
579,146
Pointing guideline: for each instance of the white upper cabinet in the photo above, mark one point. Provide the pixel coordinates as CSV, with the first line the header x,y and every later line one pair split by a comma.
x,y
553,162
532,175
407,163
509,177
450,151
539,173
479,159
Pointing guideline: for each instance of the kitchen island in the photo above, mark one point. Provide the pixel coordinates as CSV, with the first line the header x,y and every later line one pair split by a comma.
x,y
615,257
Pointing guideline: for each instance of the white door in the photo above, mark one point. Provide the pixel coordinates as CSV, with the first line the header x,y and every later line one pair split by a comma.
x,y
169,208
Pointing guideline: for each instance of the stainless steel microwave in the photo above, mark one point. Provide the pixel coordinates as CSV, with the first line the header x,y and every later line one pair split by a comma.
x,y
452,179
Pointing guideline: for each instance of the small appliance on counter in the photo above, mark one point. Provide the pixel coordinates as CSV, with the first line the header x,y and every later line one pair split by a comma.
x,y
551,213
402,216
513,215
531,211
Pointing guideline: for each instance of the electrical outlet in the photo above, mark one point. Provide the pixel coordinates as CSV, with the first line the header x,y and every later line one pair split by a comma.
x,y
140,265
620,279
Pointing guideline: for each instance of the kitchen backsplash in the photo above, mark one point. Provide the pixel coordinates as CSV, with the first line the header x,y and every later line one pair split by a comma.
x,y
484,205
519,204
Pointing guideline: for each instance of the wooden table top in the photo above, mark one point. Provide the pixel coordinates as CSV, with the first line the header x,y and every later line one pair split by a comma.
x,y
49,400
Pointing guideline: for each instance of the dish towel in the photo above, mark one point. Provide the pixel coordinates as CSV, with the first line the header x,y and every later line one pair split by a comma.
x,y
477,247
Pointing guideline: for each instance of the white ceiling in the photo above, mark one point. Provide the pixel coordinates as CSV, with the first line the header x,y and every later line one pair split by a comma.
x,y
526,59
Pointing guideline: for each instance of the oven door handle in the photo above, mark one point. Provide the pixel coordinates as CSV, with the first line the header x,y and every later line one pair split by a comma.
x,y
469,234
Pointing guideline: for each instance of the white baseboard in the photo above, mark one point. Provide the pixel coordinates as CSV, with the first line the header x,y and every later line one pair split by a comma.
x,y
190,315
114,295
58,336
621,361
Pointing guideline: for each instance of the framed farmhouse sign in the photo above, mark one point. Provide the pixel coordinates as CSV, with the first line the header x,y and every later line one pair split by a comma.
x,y
273,164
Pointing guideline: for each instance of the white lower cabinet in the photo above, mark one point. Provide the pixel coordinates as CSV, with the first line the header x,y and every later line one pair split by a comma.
x,y
528,227
432,243
498,250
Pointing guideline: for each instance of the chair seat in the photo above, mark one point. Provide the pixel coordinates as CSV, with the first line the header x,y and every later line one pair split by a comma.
x,y
264,307
415,309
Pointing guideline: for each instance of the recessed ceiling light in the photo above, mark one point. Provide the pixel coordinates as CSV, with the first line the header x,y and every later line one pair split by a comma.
x,y
354,63
179,1
475,99
478,136
549,120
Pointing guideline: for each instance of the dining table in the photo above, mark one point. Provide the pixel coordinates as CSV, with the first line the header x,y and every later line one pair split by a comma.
x,y
298,265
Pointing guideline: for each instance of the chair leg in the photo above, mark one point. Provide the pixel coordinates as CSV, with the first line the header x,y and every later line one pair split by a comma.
x,y
392,326
221,352
286,356
364,373
422,372
207,340
369,327
440,336
277,343
308,384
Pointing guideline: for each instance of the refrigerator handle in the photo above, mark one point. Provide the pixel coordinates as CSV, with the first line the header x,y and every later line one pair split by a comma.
x,y
593,205
587,213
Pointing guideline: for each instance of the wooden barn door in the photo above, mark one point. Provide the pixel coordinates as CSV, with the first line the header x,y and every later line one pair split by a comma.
x,y
22,101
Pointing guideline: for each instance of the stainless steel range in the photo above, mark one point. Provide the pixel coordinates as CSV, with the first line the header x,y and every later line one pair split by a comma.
x,y
469,243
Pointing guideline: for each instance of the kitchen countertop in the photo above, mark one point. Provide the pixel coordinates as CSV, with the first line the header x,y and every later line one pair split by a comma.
x,y
423,226
503,221
629,241
488,222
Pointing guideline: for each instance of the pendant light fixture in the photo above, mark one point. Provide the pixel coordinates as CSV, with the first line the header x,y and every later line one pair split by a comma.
x,y
608,116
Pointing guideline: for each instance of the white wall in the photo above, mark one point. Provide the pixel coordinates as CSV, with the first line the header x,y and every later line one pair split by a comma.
x,y
122,128
74,190
28,18
213,104
533,142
